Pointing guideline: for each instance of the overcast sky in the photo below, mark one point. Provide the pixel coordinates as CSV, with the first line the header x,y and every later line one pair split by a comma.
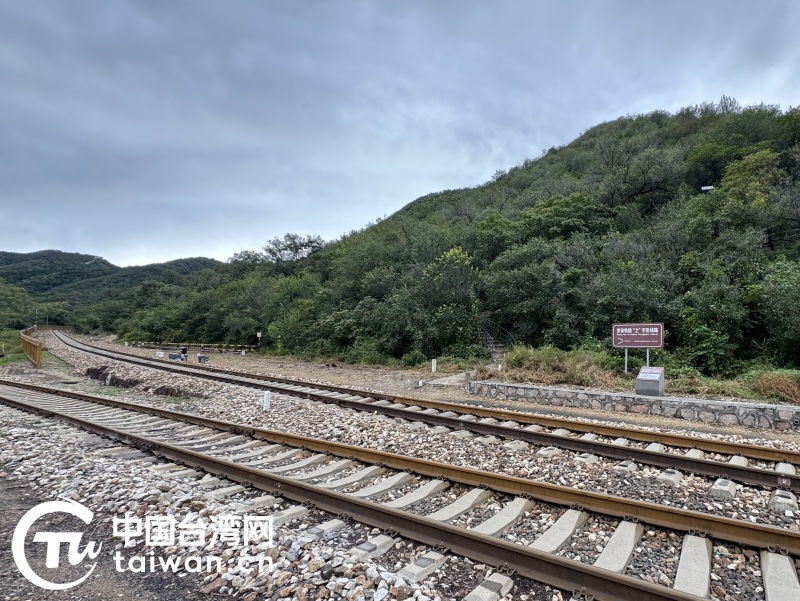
x,y
149,131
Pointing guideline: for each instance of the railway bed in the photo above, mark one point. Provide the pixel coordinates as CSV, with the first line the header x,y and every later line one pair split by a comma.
x,y
169,434
685,454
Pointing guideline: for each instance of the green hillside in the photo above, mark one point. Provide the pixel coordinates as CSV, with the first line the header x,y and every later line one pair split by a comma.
x,y
44,270
613,227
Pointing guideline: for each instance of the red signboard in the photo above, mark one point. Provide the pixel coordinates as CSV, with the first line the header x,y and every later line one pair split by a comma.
x,y
637,335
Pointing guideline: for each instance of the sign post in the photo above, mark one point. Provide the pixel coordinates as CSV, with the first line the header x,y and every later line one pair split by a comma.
x,y
650,380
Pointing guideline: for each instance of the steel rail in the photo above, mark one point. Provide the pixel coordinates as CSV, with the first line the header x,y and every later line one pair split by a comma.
x,y
737,531
549,569
243,378
715,469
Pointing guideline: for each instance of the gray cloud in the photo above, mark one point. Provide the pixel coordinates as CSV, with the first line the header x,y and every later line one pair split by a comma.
x,y
145,131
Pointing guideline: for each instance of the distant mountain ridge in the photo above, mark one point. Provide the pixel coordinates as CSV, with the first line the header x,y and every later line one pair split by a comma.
x,y
77,278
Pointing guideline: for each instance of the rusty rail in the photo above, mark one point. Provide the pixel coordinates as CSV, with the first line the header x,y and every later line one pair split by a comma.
x,y
559,572
741,532
700,466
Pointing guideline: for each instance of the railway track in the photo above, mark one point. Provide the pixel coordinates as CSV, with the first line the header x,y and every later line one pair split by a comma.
x,y
346,479
727,462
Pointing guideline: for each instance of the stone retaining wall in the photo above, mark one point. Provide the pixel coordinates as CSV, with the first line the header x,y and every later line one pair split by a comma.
x,y
758,415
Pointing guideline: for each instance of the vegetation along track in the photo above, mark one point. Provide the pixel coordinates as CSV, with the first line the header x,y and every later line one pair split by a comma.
x,y
239,453
581,437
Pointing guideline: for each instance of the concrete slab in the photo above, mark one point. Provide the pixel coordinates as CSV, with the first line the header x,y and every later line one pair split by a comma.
x,y
549,451
374,547
467,417
217,444
383,486
449,414
181,474
694,567
422,567
439,430
780,577
509,424
486,439
254,504
656,447
533,428
560,432
782,500
739,460
428,489
488,420
461,505
671,477
207,483
228,491
516,445
559,533
505,518
256,451
249,445
164,467
625,467
694,454
462,434
590,436
620,442
266,454
430,411
587,458
323,472
279,518
277,457
494,588
722,490
618,551
359,476
320,530
315,459
786,468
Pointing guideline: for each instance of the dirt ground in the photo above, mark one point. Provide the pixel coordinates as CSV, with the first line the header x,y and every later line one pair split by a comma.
x,y
105,583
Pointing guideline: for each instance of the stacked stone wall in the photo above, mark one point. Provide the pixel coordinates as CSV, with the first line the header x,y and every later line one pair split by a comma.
x,y
756,415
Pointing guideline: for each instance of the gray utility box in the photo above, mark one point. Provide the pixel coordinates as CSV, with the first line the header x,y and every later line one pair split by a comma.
x,y
650,381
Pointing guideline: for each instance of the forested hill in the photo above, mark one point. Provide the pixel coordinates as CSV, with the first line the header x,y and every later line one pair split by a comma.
x,y
41,271
78,279
613,227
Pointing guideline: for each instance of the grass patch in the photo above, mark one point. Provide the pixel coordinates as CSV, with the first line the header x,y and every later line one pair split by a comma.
x,y
550,366
14,358
554,367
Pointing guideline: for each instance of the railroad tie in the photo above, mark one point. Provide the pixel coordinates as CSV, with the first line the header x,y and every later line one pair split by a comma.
x,y
556,535
694,567
359,476
461,505
617,554
500,522
384,485
494,588
780,577
425,491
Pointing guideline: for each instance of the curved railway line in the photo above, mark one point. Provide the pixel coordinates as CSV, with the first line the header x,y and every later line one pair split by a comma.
x,y
669,451
276,461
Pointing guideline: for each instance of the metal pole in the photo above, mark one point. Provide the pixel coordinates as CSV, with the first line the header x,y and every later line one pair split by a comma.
x,y
626,360
648,357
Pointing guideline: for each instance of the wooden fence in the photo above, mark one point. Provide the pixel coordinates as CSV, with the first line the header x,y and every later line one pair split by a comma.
x,y
31,346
